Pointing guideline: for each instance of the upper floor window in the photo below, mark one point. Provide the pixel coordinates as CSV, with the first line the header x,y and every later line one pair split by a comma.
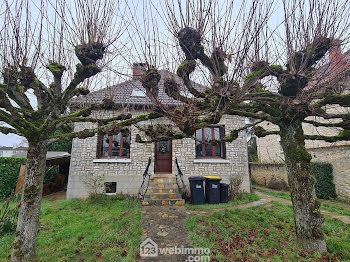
x,y
207,134
113,146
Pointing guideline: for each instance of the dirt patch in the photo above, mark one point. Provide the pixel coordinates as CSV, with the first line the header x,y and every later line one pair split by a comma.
x,y
57,196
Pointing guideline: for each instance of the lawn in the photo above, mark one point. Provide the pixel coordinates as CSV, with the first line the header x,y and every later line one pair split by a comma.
x,y
333,206
242,199
262,233
280,194
104,229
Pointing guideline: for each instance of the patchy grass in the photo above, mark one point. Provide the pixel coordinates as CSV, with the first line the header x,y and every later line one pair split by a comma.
x,y
102,229
280,194
335,209
262,233
333,206
242,199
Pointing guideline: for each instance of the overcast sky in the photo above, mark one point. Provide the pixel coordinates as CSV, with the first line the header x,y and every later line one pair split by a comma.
x,y
124,70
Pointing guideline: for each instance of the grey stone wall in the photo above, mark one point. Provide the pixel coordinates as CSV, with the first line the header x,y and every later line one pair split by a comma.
x,y
261,173
128,175
338,156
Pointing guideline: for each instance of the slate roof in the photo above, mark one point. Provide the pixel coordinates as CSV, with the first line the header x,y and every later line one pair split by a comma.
x,y
121,93
21,148
6,148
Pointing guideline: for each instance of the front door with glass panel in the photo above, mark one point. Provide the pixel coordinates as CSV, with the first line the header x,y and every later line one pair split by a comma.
x,y
162,157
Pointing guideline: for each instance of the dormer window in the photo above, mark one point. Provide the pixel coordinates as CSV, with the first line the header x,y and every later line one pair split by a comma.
x,y
138,93
186,94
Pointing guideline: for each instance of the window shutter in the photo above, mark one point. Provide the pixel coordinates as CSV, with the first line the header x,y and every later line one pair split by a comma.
x,y
222,135
99,144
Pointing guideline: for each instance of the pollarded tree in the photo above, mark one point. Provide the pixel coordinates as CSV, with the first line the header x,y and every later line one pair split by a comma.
x,y
35,41
311,28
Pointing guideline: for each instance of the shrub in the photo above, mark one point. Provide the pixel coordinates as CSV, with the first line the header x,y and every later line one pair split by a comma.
x,y
186,195
8,216
324,186
94,184
9,170
100,198
277,184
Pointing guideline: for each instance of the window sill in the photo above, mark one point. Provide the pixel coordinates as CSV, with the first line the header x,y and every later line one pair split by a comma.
x,y
112,160
211,161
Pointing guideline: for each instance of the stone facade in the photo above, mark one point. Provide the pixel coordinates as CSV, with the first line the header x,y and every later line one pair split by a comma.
x,y
127,173
338,156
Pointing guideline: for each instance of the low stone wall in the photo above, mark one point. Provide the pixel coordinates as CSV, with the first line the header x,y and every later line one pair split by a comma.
x,y
261,173
338,156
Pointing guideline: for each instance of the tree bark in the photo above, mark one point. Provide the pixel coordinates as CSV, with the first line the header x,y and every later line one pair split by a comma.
x,y
28,218
306,208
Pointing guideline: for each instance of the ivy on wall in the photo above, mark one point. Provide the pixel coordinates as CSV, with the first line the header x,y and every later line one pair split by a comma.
x,y
324,186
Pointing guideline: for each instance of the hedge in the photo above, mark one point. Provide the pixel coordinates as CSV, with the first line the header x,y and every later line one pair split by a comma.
x,y
324,186
9,170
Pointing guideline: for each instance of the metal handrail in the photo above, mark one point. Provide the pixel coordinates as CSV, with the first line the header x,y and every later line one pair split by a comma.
x,y
179,178
145,182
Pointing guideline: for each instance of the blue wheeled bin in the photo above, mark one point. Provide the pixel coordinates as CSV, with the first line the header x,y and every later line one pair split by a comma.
x,y
197,190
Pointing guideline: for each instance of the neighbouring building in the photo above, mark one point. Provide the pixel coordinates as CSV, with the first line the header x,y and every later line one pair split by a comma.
x,y
13,151
121,161
337,153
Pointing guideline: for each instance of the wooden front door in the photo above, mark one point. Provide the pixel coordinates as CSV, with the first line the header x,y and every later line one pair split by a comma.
x,y
163,154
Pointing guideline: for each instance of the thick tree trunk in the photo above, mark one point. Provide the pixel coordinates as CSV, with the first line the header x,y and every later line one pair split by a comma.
x,y
307,217
28,218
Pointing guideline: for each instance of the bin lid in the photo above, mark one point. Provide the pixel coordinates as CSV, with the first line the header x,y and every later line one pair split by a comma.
x,y
212,177
194,178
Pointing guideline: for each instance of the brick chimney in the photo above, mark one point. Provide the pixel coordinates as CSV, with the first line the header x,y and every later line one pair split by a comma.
x,y
335,54
138,70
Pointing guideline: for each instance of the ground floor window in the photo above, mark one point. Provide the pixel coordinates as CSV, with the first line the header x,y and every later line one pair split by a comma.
x,y
113,146
111,187
207,134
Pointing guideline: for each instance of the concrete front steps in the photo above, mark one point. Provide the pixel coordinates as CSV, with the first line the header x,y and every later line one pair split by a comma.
x,y
163,191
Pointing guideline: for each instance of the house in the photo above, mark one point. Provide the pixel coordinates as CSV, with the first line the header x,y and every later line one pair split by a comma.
x,y
270,151
13,151
121,161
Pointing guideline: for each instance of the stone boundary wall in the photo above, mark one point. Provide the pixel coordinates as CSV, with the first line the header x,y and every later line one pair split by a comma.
x,y
338,156
261,173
